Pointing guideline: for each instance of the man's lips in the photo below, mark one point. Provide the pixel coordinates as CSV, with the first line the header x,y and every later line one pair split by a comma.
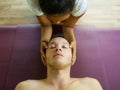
x,y
58,54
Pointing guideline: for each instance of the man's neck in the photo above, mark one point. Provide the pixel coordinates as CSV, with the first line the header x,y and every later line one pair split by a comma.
x,y
58,78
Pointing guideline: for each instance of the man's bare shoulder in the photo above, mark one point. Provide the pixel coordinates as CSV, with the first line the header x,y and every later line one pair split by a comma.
x,y
90,83
29,84
79,83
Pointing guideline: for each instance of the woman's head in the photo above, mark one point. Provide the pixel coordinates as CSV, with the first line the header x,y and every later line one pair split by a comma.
x,y
54,7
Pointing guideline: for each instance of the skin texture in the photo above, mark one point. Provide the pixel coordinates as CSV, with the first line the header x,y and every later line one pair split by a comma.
x,y
58,62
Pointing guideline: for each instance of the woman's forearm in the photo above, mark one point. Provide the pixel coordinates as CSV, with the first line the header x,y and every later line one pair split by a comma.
x,y
46,33
69,34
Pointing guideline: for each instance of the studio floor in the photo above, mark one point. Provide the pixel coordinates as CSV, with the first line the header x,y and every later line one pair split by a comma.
x,y
100,13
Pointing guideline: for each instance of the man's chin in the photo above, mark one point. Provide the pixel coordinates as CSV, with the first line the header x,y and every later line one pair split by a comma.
x,y
59,66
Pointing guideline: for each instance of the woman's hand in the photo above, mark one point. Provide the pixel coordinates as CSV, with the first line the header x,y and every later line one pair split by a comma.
x,y
73,46
43,48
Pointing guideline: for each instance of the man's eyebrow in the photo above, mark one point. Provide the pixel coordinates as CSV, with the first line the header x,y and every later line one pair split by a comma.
x,y
55,43
51,43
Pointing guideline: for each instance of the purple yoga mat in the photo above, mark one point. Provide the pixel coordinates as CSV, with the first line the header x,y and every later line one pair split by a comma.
x,y
98,55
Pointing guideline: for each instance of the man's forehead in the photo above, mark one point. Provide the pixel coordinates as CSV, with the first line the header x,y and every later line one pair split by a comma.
x,y
59,40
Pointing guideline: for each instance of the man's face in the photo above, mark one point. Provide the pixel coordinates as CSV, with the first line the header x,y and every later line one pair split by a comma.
x,y
58,54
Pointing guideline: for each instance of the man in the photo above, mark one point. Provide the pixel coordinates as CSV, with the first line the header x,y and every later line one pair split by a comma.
x,y
58,60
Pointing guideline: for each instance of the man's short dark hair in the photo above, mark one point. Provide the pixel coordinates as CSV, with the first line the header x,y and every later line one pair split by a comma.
x,y
53,7
57,35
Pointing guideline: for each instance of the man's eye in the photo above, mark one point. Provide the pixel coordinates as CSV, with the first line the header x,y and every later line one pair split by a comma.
x,y
64,46
52,46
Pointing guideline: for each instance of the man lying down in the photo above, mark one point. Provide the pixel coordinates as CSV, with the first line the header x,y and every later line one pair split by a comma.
x,y
58,60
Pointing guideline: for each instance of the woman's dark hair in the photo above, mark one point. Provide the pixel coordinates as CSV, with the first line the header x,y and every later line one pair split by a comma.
x,y
52,7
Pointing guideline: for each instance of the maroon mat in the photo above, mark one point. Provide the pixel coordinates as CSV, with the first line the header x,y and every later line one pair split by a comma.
x,y
98,55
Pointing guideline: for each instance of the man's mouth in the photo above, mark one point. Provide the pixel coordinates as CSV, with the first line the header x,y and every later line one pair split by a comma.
x,y
58,54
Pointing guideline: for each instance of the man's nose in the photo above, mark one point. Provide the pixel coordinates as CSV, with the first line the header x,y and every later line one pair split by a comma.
x,y
58,49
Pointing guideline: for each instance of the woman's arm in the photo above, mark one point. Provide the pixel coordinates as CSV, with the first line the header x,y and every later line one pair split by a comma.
x,y
46,28
46,33
68,28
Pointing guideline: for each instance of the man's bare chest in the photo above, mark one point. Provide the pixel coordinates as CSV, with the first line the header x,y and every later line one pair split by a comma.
x,y
72,87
